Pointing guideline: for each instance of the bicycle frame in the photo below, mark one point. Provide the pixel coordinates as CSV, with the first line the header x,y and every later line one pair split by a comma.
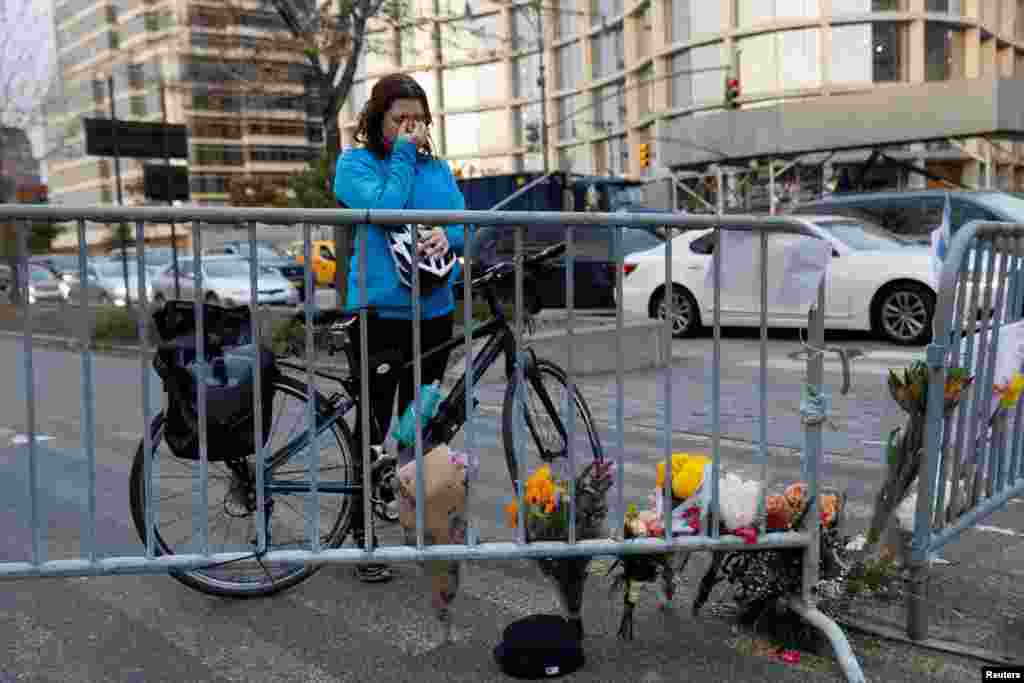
x,y
441,428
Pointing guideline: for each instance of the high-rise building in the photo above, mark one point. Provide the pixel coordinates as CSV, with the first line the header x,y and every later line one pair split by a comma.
x,y
202,63
620,73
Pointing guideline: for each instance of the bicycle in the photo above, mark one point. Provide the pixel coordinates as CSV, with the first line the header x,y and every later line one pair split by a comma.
x,y
285,466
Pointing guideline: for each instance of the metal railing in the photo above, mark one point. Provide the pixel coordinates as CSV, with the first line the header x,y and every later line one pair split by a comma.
x,y
92,561
973,463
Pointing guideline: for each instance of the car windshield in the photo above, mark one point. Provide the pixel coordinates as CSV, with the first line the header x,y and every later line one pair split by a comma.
x,y
863,236
1010,205
159,256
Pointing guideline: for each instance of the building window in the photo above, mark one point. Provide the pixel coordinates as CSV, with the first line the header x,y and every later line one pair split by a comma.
x,y
282,154
752,12
523,118
865,53
568,19
526,72
577,159
681,80
567,129
570,66
137,105
947,6
944,53
217,155
524,28
779,61
477,133
865,6
408,54
609,108
473,85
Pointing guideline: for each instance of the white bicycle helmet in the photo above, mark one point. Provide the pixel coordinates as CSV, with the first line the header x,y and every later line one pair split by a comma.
x,y
434,270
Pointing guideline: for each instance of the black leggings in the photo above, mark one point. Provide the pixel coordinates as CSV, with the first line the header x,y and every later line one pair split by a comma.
x,y
386,334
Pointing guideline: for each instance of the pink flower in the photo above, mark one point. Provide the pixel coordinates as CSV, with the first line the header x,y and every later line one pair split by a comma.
x,y
790,656
748,534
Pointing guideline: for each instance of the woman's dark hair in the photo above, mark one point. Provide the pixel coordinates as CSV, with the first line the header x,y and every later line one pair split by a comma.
x,y
398,86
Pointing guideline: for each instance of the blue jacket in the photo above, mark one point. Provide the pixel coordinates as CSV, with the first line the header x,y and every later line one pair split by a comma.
x,y
404,180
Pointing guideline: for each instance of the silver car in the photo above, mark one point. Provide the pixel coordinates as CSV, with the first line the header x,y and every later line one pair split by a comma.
x,y
226,281
104,283
45,287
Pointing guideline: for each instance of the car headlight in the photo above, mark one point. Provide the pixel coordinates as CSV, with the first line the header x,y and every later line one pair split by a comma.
x,y
64,288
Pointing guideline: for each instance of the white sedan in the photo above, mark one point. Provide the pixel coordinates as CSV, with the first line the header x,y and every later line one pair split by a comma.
x,y
226,281
875,281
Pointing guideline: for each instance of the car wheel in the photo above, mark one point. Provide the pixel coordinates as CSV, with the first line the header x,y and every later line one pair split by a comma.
x,y
159,300
212,299
903,313
686,318
104,300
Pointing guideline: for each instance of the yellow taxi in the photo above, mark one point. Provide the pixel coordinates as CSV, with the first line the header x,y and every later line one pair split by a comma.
x,y
324,262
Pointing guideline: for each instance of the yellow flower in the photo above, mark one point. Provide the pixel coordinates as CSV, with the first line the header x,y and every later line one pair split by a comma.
x,y
686,482
1010,393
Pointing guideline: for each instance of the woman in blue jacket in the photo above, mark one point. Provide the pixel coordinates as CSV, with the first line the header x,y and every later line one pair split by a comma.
x,y
395,169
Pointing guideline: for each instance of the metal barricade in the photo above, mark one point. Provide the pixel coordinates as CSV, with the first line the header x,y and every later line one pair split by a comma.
x,y
972,465
200,553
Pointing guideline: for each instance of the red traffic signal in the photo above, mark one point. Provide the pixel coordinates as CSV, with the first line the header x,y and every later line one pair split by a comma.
x,y
732,93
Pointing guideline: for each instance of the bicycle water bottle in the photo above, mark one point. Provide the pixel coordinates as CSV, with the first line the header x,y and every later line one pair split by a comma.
x,y
430,396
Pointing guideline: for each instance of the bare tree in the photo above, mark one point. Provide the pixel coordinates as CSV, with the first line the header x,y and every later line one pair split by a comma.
x,y
24,68
24,80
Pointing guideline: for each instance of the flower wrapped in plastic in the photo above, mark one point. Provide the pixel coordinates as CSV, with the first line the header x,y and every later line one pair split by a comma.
x,y
547,515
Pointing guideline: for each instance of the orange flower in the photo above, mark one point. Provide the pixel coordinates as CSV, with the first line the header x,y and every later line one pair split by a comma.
x,y
829,508
549,507
512,514
779,513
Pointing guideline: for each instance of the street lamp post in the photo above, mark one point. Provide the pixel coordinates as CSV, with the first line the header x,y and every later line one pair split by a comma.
x,y
542,84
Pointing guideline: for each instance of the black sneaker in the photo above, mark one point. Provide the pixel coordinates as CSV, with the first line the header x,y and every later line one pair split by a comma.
x,y
373,573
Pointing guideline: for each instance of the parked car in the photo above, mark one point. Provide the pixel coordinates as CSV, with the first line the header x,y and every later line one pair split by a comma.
x,y
917,213
876,281
64,266
104,283
226,281
594,266
157,258
269,256
45,286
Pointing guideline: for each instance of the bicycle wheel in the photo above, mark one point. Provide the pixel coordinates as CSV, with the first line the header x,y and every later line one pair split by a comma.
x,y
540,421
231,502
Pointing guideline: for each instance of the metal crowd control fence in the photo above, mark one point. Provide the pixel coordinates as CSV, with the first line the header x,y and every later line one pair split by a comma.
x,y
973,463
200,554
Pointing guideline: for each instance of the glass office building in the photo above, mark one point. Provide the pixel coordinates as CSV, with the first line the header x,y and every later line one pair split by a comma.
x,y
619,71
194,59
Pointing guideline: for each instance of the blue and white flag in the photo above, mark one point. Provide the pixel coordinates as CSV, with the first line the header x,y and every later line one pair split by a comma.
x,y
941,238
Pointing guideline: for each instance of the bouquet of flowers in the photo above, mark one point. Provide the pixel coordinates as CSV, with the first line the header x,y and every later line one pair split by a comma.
x,y
906,443
547,519
691,493
761,576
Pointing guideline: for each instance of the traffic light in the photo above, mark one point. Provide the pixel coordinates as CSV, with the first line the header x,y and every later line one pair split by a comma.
x,y
645,155
732,93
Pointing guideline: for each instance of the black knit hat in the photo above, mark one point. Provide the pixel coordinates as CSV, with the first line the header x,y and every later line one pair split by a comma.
x,y
539,646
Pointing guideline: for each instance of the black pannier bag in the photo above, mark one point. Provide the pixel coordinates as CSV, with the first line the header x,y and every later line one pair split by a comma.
x,y
230,380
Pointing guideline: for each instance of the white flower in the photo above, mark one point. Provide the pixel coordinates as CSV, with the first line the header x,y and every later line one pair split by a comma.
x,y
737,500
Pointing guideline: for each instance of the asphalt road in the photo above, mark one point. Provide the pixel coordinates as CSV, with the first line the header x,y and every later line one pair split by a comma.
x,y
331,628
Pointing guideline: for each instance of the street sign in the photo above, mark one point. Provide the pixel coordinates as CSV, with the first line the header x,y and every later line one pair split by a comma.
x,y
155,182
135,138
